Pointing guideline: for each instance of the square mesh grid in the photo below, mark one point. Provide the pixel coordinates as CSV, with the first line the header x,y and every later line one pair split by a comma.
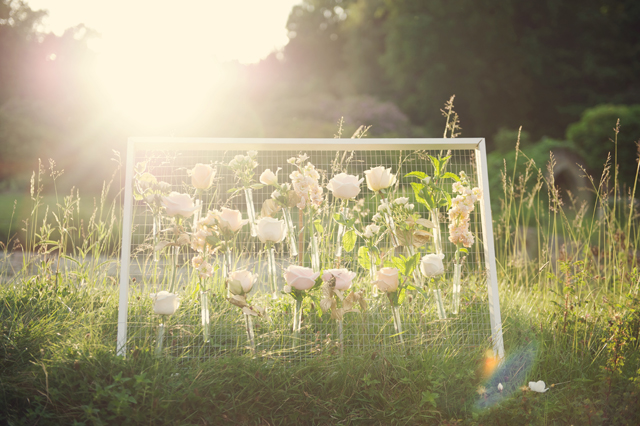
x,y
370,330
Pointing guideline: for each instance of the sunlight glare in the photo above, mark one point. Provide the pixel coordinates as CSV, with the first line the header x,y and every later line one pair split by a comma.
x,y
159,61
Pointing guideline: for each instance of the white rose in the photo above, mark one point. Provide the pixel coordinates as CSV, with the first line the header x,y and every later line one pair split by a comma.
x,y
379,178
387,279
241,282
230,219
178,204
202,176
270,229
431,265
343,277
345,186
165,303
300,278
268,177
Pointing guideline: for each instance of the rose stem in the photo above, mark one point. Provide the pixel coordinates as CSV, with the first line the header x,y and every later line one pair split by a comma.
x,y
301,237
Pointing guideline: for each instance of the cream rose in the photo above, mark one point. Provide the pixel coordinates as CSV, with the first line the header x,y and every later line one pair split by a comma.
x,y
270,229
165,303
379,178
230,219
202,176
268,177
343,278
387,279
345,186
241,282
178,204
300,278
431,265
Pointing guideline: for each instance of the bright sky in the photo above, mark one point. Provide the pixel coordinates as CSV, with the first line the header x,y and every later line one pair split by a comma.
x,y
176,45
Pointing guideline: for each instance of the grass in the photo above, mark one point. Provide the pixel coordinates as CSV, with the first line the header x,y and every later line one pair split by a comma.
x,y
569,308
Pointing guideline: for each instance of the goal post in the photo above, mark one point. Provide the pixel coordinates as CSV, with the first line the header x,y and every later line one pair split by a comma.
x,y
170,160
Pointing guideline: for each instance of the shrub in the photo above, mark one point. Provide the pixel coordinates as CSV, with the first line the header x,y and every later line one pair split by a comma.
x,y
592,135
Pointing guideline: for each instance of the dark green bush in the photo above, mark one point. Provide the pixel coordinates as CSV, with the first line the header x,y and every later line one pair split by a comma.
x,y
594,134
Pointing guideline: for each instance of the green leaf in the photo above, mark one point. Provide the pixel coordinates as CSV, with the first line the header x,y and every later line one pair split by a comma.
x,y
349,240
402,294
419,175
363,258
318,226
411,263
140,167
436,166
147,177
340,219
399,263
464,250
450,175
257,186
417,187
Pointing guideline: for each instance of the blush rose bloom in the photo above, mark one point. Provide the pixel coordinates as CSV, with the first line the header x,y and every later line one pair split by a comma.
x,y
241,282
178,204
379,178
343,278
387,279
202,176
268,177
271,230
431,265
165,303
345,186
230,219
300,278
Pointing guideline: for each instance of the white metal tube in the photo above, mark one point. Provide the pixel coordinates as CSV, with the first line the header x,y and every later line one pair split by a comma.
x,y
489,251
125,252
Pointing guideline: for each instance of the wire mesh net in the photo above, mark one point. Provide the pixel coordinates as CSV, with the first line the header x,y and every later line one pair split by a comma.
x,y
158,262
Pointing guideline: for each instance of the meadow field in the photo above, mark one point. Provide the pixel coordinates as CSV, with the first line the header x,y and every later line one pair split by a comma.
x,y
569,294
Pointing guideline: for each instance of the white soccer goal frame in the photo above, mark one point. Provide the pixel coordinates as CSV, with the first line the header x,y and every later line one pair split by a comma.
x,y
231,144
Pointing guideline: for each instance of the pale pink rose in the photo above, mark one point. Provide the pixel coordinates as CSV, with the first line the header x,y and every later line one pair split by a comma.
x,y
270,229
431,265
165,303
300,278
241,282
231,219
387,279
379,178
177,204
202,176
345,186
268,177
343,277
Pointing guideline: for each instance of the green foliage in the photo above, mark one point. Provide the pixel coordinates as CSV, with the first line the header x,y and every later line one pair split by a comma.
x,y
562,57
594,136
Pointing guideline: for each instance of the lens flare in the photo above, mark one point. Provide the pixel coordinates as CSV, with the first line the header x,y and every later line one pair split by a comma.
x,y
504,378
